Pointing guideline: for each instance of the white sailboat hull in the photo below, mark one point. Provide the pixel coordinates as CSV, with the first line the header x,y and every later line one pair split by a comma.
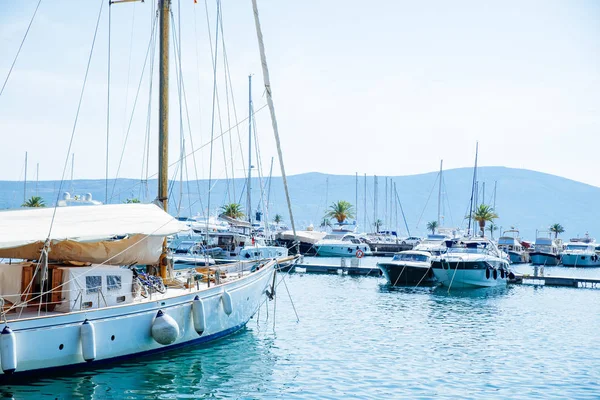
x,y
54,342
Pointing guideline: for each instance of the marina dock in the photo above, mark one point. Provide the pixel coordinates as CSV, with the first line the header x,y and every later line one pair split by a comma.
x,y
564,281
345,267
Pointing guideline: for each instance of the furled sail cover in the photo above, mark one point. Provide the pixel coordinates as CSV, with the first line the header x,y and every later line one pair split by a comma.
x,y
116,234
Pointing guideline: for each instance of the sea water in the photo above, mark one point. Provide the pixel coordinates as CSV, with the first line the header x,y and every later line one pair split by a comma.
x,y
359,338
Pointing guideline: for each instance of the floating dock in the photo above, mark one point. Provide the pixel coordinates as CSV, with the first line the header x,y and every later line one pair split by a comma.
x,y
341,269
564,281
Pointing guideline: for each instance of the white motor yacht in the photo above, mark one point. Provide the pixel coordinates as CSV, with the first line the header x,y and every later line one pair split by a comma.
x,y
472,263
510,243
546,251
346,246
584,252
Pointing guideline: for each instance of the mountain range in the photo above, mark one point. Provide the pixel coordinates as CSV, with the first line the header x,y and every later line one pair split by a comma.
x,y
524,199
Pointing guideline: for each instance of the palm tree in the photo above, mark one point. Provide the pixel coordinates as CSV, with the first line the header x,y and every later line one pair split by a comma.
x,y
233,210
34,201
556,228
492,228
483,214
432,226
278,218
132,200
340,210
378,225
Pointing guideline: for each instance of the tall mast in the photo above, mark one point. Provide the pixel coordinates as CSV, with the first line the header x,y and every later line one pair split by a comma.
x,y
376,188
440,192
249,184
72,172
474,185
25,181
37,178
163,111
385,212
356,198
495,184
365,227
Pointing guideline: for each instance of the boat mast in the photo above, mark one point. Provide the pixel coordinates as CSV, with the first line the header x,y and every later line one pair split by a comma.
x,y
473,187
356,197
365,227
163,127
440,193
25,181
376,187
249,184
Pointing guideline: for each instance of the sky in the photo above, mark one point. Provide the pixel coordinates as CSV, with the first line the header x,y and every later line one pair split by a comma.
x,y
379,87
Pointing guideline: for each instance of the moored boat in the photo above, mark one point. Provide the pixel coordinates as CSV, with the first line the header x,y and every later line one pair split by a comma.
x,y
408,267
347,246
510,243
472,263
546,251
581,252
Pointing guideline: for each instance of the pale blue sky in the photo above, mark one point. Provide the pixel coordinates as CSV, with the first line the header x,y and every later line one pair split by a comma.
x,y
379,87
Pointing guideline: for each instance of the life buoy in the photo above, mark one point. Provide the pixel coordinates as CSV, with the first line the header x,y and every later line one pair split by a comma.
x,y
359,253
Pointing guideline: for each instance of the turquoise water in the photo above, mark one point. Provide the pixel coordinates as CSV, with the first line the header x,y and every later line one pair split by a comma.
x,y
358,338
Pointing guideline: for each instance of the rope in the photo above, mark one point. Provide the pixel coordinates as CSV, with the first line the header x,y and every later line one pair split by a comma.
x,y
108,103
191,153
20,47
87,69
212,129
150,45
267,82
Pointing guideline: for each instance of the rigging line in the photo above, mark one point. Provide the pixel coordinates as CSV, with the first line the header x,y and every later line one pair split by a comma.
x,y
182,92
129,68
212,130
146,148
193,151
448,202
87,70
150,45
229,88
402,210
267,83
214,60
427,202
108,104
20,47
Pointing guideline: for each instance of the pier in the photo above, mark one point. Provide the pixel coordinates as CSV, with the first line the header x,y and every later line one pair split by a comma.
x,y
564,281
346,267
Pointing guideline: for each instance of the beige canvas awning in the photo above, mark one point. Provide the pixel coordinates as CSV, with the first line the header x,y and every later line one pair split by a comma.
x,y
117,234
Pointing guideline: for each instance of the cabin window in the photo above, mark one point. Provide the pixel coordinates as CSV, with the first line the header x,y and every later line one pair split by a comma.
x,y
113,282
93,284
121,299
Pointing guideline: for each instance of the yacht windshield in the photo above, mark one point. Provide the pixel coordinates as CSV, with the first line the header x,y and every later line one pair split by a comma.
x,y
411,257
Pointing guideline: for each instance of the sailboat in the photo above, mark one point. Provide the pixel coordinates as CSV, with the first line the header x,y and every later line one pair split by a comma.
x,y
72,296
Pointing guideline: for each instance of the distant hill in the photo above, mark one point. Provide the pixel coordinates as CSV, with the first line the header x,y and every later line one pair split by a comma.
x,y
525,199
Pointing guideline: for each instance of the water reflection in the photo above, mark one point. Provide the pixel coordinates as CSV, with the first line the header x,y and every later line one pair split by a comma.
x,y
215,370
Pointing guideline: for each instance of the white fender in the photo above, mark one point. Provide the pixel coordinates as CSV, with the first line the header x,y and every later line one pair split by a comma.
x,y
227,303
8,350
88,340
164,329
198,315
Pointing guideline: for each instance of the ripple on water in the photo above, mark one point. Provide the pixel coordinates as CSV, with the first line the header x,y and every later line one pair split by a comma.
x,y
358,338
